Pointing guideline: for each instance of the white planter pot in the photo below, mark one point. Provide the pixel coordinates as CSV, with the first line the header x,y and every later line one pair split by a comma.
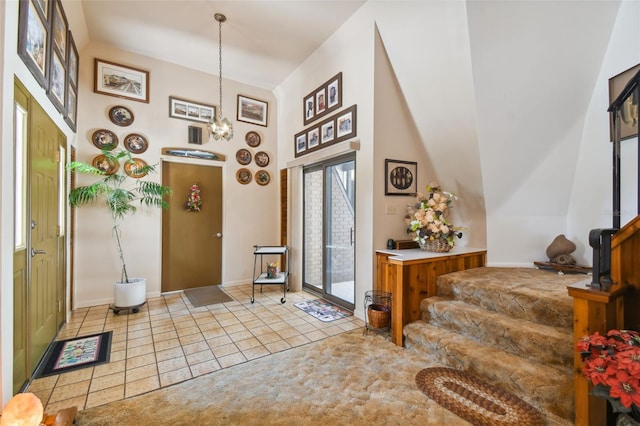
x,y
133,293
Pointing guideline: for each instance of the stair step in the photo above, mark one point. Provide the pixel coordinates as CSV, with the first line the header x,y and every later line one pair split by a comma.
x,y
534,342
525,293
547,388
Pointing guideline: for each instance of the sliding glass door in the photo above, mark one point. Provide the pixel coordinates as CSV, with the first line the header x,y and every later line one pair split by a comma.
x,y
329,230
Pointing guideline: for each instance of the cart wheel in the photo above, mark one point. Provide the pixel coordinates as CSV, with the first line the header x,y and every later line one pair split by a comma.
x,y
136,310
252,300
283,300
116,312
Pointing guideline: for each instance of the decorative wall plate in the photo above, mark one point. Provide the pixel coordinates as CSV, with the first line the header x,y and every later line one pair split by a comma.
x,y
135,168
104,139
244,176
121,116
135,143
106,165
262,177
243,156
253,139
262,158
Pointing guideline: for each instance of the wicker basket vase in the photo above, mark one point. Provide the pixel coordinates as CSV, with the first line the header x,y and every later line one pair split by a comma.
x,y
436,246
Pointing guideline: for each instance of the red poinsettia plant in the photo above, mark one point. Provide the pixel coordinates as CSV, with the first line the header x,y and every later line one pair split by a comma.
x,y
612,364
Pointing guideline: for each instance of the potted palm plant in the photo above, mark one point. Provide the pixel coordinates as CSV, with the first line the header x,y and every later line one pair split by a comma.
x,y
121,188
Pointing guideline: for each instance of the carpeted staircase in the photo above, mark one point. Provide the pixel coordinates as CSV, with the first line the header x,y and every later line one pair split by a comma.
x,y
510,326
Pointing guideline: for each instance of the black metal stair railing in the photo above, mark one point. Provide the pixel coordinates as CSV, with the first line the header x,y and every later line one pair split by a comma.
x,y
600,241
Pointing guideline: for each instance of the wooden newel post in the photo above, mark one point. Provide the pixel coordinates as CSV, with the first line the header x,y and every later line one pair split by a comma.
x,y
593,311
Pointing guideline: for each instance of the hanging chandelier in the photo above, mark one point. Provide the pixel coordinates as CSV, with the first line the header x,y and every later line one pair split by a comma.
x,y
219,126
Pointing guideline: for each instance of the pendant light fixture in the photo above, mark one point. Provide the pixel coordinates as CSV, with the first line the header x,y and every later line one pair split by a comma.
x,y
219,126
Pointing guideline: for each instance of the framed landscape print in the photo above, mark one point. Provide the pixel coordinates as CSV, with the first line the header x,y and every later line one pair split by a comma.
x,y
58,82
323,100
72,61
59,29
252,111
189,110
33,40
401,177
121,81
72,107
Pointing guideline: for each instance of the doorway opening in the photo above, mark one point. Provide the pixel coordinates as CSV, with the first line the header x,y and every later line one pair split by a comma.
x,y
329,230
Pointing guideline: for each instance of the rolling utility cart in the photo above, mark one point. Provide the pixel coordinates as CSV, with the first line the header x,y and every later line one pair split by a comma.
x,y
270,273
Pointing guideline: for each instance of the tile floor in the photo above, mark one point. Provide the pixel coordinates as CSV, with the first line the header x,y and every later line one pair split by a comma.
x,y
170,341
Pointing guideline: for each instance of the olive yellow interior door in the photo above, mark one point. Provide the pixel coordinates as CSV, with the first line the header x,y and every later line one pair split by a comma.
x,y
192,238
38,265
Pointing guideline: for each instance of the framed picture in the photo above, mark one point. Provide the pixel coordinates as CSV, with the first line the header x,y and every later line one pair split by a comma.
x,y
313,138
33,40
72,107
121,116
252,111
57,82
328,131
401,177
344,124
59,29
262,177
253,139
629,121
309,109
301,143
108,166
323,100
136,168
104,139
135,143
244,176
262,159
190,110
121,81
243,156
72,61
334,129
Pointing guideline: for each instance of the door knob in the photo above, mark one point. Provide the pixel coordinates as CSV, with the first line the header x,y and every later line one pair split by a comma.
x,y
34,252
219,235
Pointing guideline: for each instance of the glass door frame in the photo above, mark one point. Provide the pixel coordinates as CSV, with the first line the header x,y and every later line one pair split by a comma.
x,y
324,165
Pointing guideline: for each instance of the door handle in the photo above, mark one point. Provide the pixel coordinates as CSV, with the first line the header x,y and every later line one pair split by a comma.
x,y
34,252
219,235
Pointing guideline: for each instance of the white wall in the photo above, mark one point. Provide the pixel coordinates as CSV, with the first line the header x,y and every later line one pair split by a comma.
x,y
350,51
535,65
250,213
591,198
430,101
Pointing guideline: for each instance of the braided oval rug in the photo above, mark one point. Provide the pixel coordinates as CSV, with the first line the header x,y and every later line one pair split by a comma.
x,y
475,400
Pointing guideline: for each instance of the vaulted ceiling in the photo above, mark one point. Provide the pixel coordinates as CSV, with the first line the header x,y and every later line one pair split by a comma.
x,y
262,41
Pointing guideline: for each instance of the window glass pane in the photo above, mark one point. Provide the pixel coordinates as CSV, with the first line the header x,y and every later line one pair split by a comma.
x,y
20,177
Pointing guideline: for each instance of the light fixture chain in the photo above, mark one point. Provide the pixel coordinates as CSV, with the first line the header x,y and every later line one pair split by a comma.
x,y
220,62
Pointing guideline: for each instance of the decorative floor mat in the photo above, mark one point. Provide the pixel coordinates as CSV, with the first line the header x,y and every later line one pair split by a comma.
x,y
475,400
322,310
76,353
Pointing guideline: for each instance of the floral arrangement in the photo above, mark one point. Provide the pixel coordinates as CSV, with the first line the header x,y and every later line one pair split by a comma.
x,y
194,202
612,364
426,217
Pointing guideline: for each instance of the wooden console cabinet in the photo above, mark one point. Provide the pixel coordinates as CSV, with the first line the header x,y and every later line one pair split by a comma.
x,y
410,276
